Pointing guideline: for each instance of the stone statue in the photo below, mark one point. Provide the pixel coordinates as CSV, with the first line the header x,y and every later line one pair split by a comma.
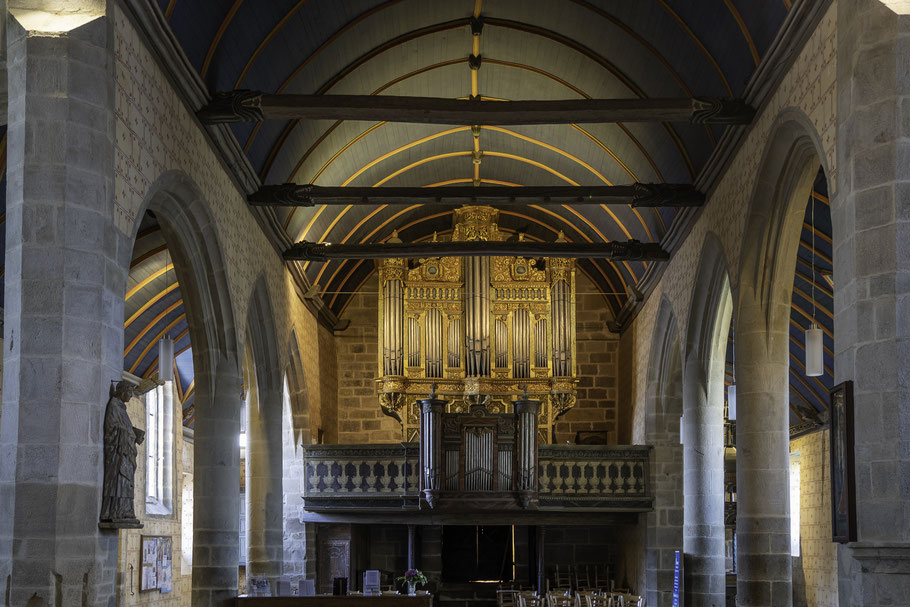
x,y
120,440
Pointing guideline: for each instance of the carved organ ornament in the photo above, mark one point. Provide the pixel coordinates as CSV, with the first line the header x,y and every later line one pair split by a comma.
x,y
481,329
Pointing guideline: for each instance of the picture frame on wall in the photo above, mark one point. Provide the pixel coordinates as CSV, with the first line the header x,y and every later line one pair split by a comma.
x,y
843,482
156,563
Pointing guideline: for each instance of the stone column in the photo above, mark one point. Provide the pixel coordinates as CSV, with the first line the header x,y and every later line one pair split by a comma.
x,y
216,469
703,490
871,219
264,496
63,319
762,459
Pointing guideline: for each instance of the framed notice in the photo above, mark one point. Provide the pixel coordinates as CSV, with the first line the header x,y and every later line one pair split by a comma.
x,y
156,569
843,498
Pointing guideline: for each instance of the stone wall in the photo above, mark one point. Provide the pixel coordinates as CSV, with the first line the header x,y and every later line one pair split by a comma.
x,y
360,420
815,571
597,352
157,136
808,89
171,525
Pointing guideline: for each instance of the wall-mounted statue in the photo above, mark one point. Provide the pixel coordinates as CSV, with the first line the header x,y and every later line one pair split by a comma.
x,y
120,440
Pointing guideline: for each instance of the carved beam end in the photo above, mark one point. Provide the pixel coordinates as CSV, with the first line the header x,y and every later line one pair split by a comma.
x,y
666,195
233,106
285,194
707,110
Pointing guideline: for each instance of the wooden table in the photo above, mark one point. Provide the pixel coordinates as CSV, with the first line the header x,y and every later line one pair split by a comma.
x,y
399,600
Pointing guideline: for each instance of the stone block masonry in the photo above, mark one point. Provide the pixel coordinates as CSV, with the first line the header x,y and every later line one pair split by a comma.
x,y
360,420
597,352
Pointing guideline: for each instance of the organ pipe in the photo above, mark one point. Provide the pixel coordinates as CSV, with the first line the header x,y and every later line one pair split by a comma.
x,y
477,315
434,345
482,328
521,344
393,303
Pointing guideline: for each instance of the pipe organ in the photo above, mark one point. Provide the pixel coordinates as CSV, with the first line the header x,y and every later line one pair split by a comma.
x,y
481,330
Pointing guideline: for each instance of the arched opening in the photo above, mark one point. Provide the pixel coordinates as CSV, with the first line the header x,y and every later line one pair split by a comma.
x,y
664,533
767,265
814,555
703,431
195,251
295,435
264,464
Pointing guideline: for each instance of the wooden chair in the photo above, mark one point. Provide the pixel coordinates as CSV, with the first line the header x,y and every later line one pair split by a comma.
x,y
526,600
633,600
599,600
563,577
507,598
561,599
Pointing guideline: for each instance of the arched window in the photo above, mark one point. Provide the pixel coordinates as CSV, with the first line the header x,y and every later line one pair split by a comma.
x,y
159,441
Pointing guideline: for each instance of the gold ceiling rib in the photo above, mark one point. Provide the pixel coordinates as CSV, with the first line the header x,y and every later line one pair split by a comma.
x,y
154,342
418,33
170,9
150,326
412,144
745,31
218,35
651,48
602,61
688,31
314,54
293,174
464,153
534,30
265,41
152,301
144,282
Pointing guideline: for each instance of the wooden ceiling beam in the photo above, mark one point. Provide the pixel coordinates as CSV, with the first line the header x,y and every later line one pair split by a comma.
x,y
631,250
256,106
636,194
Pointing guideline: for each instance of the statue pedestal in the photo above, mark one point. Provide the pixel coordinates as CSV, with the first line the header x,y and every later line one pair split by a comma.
x,y
132,523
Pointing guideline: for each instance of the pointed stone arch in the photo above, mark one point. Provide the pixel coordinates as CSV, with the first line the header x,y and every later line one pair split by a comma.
x,y
664,408
708,325
767,264
194,242
264,462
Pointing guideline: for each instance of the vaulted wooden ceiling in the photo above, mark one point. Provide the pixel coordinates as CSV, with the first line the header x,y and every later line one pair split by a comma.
x,y
529,49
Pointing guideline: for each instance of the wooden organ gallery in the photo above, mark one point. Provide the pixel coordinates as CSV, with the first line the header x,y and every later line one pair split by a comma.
x,y
476,362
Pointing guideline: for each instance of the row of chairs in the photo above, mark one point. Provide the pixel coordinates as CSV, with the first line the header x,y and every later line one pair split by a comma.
x,y
565,598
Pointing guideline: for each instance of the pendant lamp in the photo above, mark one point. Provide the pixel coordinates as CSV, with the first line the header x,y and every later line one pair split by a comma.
x,y
166,348
813,344
814,360
166,359
731,389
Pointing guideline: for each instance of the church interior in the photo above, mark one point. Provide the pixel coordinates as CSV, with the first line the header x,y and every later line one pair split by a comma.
x,y
566,303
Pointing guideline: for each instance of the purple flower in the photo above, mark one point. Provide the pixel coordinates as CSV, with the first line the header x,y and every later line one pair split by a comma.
x,y
410,573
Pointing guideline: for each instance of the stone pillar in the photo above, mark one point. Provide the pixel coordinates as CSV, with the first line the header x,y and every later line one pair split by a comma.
x,y
431,410
665,524
762,459
526,412
871,219
703,490
412,546
63,319
216,506
264,496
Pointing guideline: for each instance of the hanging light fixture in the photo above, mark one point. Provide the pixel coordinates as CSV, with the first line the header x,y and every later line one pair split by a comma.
x,y
731,389
814,344
166,346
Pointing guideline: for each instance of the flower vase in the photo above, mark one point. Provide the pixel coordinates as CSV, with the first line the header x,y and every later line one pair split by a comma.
x,y
412,588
